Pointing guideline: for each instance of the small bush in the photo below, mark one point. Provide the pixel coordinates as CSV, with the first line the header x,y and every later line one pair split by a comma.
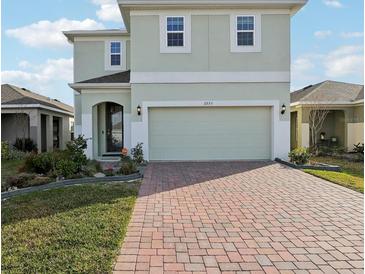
x,y
5,150
128,167
25,144
65,168
137,154
359,148
299,156
20,181
75,152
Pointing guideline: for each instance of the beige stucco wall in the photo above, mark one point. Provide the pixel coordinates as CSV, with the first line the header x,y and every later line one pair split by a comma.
x,y
90,123
209,91
210,39
89,57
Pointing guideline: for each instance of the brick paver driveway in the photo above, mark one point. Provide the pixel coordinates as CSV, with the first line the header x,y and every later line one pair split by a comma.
x,y
231,217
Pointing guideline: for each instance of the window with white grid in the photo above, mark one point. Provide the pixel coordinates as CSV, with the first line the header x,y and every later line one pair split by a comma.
x,y
245,27
175,29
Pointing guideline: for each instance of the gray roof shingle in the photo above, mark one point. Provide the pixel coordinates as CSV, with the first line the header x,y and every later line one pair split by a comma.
x,y
329,91
120,77
12,95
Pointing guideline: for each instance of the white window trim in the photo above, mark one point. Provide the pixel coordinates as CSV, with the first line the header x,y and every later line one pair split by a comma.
x,y
187,34
256,37
107,61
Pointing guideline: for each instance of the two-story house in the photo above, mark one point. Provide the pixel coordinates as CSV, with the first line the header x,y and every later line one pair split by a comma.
x,y
190,79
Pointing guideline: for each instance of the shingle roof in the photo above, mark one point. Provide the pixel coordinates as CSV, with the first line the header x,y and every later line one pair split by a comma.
x,y
328,91
120,77
12,95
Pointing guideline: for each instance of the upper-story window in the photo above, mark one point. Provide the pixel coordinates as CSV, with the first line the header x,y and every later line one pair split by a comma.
x,y
245,33
113,55
175,33
245,30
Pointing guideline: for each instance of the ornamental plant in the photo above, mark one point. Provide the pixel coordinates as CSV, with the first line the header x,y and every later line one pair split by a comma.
x,y
299,156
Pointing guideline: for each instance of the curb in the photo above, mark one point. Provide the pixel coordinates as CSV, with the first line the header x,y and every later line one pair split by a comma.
x,y
70,182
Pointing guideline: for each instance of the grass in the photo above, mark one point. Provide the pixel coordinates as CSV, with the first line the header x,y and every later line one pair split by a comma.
x,y
351,176
76,229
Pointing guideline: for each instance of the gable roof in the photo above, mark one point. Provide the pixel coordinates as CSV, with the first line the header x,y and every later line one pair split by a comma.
x,y
13,95
329,91
120,77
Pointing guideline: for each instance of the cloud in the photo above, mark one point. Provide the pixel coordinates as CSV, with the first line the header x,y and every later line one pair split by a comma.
x,y
108,10
344,61
49,34
343,64
333,3
41,77
352,34
323,34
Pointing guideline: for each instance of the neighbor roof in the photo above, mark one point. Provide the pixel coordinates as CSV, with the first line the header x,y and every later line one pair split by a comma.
x,y
328,91
13,95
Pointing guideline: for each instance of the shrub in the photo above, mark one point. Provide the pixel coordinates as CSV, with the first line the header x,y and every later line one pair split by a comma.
x,y
65,168
10,154
359,148
75,152
299,156
43,163
5,150
128,167
25,144
137,154
20,181
26,180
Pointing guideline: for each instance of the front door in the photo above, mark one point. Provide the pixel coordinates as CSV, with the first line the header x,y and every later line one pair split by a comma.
x,y
114,127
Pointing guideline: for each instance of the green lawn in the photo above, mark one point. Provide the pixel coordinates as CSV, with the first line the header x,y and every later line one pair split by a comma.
x,y
76,229
352,175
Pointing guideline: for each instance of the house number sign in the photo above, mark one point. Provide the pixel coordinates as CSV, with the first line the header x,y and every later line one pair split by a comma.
x,y
208,103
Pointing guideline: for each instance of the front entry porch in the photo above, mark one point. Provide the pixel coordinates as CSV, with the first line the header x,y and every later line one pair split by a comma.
x,y
108,130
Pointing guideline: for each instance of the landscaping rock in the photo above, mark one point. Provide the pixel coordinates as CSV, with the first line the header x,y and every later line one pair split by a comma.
x,y
99,175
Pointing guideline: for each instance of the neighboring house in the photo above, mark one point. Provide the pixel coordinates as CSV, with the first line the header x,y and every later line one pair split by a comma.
x,y
25,114
190,79
344,124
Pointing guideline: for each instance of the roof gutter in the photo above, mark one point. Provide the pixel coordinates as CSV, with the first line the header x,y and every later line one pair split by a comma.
x,y
347,103
36,106
80,86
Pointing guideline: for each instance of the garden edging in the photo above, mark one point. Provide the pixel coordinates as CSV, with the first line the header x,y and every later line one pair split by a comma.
x,y
314,167
53,185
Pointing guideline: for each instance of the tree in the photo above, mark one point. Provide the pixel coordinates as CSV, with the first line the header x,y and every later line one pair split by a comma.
x,y
318,111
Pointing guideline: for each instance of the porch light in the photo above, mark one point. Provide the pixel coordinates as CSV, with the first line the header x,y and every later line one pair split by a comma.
x,y
139,110
283,109
323,136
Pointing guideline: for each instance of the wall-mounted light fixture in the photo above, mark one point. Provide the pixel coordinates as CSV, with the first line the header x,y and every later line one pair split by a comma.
x,y
139,110
283,109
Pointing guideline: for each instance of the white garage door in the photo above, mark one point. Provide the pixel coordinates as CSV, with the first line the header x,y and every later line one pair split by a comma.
x,y
210,133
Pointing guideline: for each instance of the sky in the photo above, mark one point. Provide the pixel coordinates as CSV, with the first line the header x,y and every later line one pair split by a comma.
x,y
326,41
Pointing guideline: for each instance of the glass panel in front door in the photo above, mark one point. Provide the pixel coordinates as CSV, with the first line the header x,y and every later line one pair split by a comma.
x,y
114,127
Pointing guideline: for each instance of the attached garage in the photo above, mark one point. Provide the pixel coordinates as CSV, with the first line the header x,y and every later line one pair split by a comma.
x,y
210,133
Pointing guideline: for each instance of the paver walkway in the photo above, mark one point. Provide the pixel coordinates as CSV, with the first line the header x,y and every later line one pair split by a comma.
x,y
241,217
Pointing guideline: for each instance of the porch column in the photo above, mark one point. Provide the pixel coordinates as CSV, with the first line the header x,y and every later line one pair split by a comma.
x,y
86,122
35,128
49,130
